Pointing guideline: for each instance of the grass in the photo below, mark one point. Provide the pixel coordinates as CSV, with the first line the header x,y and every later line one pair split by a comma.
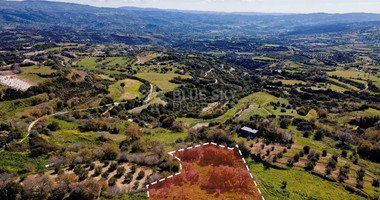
x,y
355,75
262,58
44,70
16,108
345,84
161,80
291,82
129,91
164,136
300,185
14,161
70,137
343,118
90,63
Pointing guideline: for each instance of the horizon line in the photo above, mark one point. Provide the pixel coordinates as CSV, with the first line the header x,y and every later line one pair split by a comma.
x,y
199,11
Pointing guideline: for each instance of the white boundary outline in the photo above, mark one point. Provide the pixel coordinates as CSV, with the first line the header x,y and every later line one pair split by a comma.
x,y
199,145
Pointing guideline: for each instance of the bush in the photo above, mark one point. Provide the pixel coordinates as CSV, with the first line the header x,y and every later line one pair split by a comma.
x,y
296,157
284,184
112,181
301,154
344,154
140,175
290,162
328,178
128,178
306,149
98,171
112,167
343,173
133,169
376,182
324,153
120,172
105,175
354,190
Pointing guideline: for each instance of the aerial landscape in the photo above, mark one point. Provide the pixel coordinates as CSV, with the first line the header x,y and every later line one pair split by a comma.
x,y
157,100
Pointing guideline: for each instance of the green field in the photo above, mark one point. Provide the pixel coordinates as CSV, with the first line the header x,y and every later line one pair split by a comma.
x,y
291,82
14,161
129,91
355,75
300,185
91,64
161,80
44,70
164,136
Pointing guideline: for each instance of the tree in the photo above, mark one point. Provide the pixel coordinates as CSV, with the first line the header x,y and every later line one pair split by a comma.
x,y
133,133
38,187
10,191
332,163
359,179
110,152
364,148
322,113
306,149
376,182
290,162
319,134
309,165
296,157
285,122
53,126
87,190
345,138
140,175
344,154
97,171
120,171
177,126
343,172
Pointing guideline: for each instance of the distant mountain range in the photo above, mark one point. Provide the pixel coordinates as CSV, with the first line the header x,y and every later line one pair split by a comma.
x,y
168,24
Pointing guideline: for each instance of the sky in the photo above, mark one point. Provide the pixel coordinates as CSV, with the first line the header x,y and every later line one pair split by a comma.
x,y
267,6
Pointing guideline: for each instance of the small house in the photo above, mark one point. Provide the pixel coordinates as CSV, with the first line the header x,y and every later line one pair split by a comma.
x,y
248,132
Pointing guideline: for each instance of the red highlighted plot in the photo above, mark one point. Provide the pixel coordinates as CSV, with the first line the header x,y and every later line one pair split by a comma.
x,y
207,172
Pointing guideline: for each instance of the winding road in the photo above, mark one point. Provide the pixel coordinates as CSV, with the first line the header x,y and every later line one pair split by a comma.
x,y
31,125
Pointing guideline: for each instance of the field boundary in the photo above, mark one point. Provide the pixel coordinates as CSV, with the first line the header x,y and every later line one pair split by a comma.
x,y
197,146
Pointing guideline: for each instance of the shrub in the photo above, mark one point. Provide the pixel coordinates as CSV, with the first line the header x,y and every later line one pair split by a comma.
x,y
83,175
92,166
120,172
306,149
306,134
376,182
284,184
343,173
140,175
296,157
105,174
290,162
112,181
112,167
301,154
324,153
128,178
133,169
319,134
344,154
136,185
97,171
309,165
